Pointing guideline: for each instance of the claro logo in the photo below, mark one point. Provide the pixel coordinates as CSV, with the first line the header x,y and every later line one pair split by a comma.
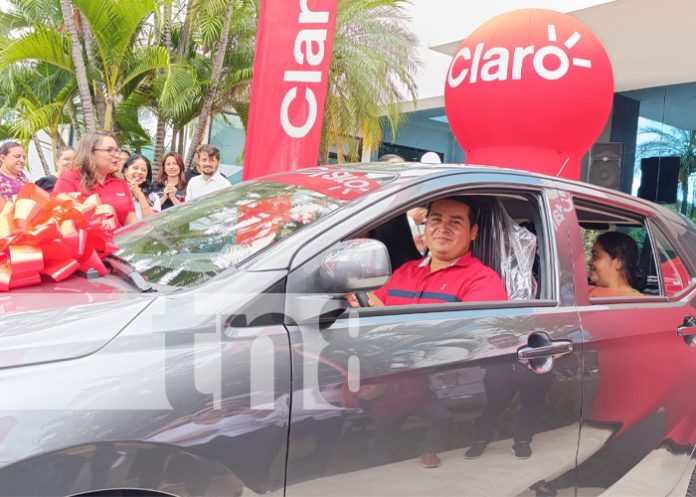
x,y
309,51
550,62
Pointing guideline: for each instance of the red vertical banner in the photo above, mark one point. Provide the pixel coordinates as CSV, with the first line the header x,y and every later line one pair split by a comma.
x,y
291,67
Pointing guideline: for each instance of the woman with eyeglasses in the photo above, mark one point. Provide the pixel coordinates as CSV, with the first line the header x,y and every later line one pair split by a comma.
x,y
97,159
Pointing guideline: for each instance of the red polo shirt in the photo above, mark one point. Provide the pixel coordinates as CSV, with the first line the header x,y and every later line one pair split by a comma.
x,y
466,280
114,192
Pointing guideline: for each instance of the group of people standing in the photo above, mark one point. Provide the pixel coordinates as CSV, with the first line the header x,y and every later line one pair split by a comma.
x,y
121,179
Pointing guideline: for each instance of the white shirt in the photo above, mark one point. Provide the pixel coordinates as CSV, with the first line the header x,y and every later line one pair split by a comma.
x,y
197,186
154,202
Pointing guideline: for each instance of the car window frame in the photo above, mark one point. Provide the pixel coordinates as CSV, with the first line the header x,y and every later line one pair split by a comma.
x,y
536,188
657,225
646,219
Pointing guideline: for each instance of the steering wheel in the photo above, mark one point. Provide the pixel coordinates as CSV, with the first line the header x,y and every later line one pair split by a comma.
x,y
362,299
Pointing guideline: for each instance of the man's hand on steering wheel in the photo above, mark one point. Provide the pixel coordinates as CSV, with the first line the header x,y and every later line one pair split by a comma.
x,y
368,297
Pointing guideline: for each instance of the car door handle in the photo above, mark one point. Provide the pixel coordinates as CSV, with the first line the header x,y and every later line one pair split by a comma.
x,y
688,328
557,348
541,352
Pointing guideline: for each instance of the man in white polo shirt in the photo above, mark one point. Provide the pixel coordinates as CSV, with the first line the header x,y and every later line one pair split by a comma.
x,y
210,180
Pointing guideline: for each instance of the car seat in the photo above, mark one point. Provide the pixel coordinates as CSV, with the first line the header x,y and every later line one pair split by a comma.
x,y
396,235
507,248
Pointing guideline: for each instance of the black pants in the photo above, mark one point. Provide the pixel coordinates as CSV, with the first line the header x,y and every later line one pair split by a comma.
x,y
502,382
387,429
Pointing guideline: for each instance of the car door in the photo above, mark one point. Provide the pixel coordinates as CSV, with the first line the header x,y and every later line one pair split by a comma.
x,y
638,418
377,391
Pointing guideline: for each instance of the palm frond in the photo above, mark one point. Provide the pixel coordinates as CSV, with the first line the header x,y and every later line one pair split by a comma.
x,y
115,24
33,118
179,91
142,62
41,44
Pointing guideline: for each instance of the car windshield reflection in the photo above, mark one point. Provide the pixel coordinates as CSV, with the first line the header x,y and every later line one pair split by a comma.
x,y
188,245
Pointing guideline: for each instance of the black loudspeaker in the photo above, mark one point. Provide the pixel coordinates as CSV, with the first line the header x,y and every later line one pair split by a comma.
x,y
604,168
659,179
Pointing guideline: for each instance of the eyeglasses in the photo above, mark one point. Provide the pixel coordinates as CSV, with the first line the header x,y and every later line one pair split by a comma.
x,y
111,151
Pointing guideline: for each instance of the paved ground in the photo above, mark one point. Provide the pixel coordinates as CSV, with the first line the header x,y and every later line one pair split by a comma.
x,y
496,473
499,474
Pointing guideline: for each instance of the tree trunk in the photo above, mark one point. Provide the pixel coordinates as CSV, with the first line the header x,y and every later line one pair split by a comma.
x,y
99,103
56,143
212,89
182,141
159,144
175,135
42,156
108,114
73,121
166,41
167,25
685,196
185,35
78,60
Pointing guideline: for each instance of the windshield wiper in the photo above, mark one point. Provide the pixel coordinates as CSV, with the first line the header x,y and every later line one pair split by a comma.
x,y
123,269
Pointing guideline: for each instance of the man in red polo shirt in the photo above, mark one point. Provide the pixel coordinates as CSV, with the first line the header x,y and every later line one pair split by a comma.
x,y
449,273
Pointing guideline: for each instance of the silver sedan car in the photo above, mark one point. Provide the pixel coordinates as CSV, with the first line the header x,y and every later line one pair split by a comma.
x,y
221,358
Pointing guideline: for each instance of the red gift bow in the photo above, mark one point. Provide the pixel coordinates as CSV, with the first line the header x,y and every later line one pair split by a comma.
x,y
52,235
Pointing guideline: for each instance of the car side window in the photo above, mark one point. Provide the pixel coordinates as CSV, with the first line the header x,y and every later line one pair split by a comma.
x,y
619,253
675,276
510,240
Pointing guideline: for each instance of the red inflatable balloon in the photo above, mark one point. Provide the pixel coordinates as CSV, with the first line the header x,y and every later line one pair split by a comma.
x,y
530,89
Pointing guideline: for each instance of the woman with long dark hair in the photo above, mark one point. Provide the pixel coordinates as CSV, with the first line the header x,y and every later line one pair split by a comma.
x,y
614,267
170,184
138,173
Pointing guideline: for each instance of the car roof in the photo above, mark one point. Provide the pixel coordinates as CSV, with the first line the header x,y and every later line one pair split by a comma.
x,y
409,170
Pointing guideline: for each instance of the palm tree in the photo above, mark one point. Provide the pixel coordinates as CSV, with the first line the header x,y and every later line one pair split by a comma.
x,y
124,58
122,55
215,75
371,74
165,40
40,96
79,64
372,71
680,143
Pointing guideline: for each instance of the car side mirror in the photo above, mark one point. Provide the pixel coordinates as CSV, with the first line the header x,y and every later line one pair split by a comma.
x,y
358,265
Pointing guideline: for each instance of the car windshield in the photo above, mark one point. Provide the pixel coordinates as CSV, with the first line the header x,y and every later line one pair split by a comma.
x,y
190,244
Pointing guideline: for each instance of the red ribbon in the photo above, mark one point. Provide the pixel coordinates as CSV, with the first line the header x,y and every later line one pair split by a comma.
x,y
53,236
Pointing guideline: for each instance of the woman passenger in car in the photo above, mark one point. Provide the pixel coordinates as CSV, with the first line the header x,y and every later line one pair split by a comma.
x,y
614,267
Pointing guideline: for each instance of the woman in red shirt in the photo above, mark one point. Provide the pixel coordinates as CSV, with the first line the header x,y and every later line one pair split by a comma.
x,y
97,158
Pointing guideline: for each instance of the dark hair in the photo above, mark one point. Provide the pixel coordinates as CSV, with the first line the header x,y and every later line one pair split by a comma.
x,y
7,146
621,246
146,186
126,151
161,179
472,204
391,158
210,150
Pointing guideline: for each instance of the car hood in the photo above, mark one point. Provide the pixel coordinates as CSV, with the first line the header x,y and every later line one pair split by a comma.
x,y
66,320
